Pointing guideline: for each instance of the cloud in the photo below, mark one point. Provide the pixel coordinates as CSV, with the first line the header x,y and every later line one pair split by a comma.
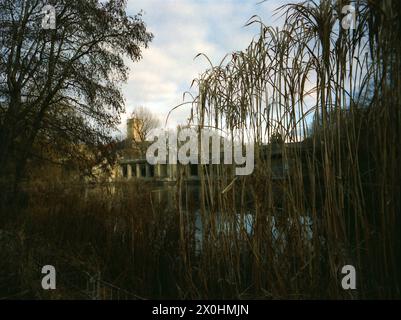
x,y
182,29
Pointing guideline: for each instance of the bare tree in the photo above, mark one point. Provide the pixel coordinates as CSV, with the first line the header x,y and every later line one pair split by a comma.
x,y
140,124
78,67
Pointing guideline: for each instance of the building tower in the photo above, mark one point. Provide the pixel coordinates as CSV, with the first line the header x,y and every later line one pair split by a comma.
x,y
133,129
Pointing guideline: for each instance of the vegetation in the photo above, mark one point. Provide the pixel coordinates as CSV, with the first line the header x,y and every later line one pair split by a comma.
x,y
344,178
62,85
337,204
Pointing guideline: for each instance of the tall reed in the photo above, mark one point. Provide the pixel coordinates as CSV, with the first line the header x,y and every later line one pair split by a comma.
x,y
333,95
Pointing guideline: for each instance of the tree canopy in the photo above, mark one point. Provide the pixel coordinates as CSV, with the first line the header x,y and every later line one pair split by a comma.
x,y
65,82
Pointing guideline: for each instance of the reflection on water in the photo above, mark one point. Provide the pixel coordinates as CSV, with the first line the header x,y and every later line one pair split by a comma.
x,y
227,225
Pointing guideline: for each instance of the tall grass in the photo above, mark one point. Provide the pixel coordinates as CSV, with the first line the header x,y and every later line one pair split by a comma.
x,y
119,236
333,96
344,176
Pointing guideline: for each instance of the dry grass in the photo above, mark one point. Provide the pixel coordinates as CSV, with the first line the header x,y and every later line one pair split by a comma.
x,y
345,178
117,235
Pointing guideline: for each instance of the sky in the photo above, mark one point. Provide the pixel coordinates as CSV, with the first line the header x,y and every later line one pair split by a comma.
x,y
182,29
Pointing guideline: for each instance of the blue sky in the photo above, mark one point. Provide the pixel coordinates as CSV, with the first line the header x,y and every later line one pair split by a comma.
x,y
182,29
